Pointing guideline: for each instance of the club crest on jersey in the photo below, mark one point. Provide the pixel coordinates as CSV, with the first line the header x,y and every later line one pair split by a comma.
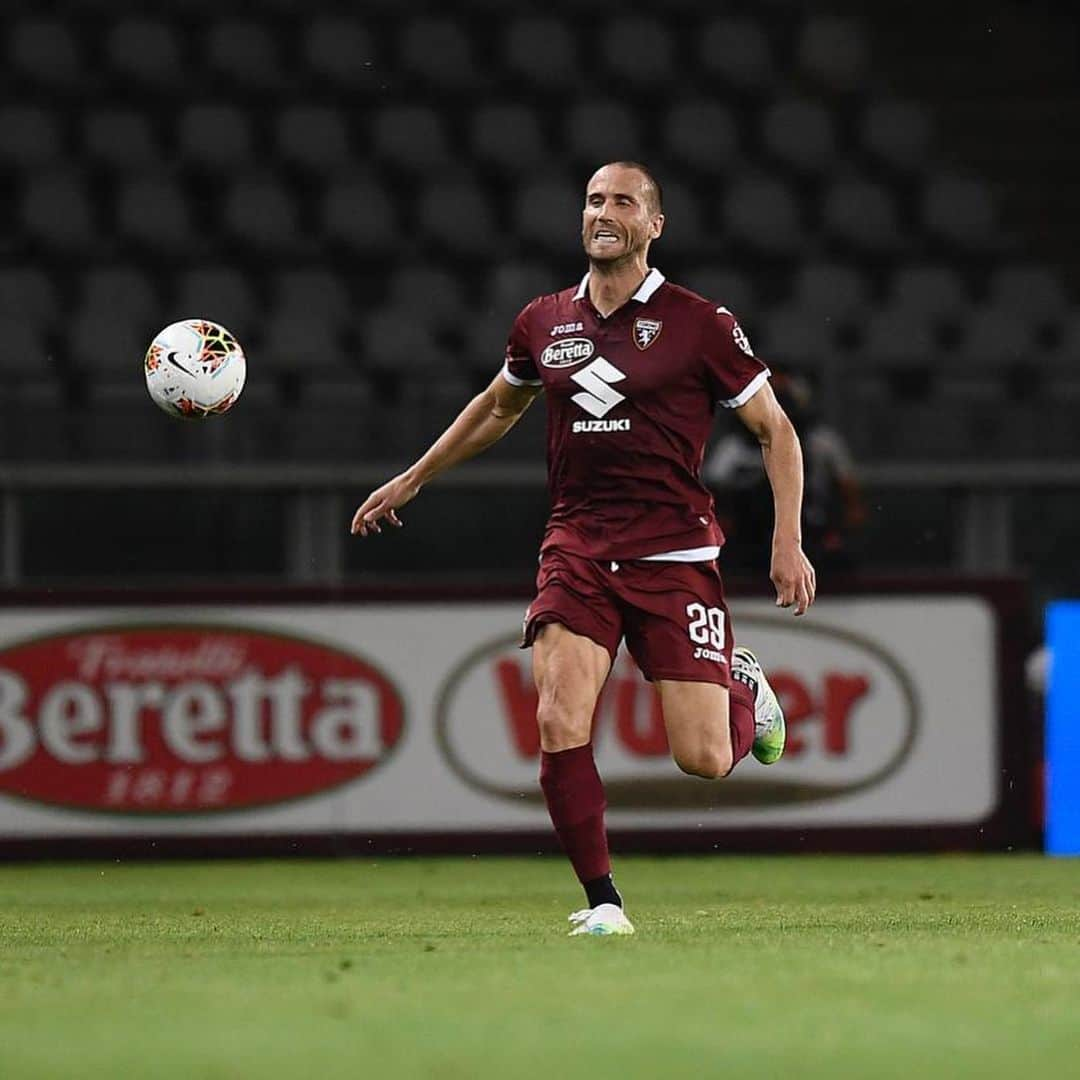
x,y
646,331
567,353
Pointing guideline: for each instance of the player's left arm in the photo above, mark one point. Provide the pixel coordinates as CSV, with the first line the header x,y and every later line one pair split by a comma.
x,y
791,571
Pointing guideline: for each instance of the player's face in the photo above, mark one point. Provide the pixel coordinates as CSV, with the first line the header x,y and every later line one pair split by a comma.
x,y
618,222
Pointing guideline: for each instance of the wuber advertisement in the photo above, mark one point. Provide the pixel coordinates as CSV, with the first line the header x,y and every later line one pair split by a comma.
x,y
371,719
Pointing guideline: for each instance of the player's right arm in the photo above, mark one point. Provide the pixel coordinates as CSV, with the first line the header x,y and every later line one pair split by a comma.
x,y
485,420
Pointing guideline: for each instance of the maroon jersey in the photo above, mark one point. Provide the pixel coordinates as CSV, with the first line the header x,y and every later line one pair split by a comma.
x,y
631,400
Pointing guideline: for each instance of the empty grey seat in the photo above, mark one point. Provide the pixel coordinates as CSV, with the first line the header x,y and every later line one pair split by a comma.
x,y
30,137
833,290
485,342
1035,290
508,137
122,140
800,134
763,213
737,51
121,425
244,52
314,138
456,215
396,342
28,295
44,51
686,229
797,336
834,51
547,215
961,211
219,293
321,294
300,343
638,49
260,213
437,51
862,215
154,213
35,427
600,131
900,133
724,287
336,420
435,296
542,50
432,403
359,214
205,129
514,282
410,137
23,354
147,51
898,338
997,337
1064,361
108,289
342,50
57,211
702,134
935,291
115,356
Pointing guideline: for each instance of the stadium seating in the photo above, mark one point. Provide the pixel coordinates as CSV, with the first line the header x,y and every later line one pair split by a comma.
x,y
121,141
30,137
368,196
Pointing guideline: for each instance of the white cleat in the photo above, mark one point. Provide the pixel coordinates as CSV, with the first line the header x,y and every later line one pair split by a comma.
x,y
770,730
600,920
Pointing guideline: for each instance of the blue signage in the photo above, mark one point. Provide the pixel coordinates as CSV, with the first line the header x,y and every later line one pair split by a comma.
x,y
1063,729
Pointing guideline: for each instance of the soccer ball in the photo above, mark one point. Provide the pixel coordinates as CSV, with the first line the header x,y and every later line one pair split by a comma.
x,y
195,369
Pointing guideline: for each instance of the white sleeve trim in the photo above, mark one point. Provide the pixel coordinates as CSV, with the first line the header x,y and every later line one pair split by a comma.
x,y
513,380
748,391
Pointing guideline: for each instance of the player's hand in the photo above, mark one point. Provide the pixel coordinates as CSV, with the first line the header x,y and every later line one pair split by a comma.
x,y
383,503
793,577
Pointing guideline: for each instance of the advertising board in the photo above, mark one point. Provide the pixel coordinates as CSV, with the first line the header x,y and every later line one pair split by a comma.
x,y
376,719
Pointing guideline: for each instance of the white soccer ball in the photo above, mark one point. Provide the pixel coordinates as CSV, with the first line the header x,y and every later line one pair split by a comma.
x,y
195,369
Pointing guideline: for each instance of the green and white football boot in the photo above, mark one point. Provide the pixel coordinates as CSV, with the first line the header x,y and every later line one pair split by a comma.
x,y
770,731
601,920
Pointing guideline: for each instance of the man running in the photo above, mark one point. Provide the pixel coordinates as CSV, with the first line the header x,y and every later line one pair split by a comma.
x,y
633,367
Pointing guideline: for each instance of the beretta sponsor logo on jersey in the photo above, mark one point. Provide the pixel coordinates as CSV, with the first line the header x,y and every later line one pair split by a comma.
x,y
183,719
567,353
851,712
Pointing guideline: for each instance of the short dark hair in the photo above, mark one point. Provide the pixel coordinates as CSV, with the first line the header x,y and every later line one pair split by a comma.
x,y
657,193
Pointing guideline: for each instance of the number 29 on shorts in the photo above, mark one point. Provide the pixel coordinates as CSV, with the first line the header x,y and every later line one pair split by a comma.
x,y
706,625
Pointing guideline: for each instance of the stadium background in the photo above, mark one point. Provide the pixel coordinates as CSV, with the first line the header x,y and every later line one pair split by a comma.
x,y
366,195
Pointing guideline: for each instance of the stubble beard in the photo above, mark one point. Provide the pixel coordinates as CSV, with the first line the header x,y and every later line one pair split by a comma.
x,y
614,263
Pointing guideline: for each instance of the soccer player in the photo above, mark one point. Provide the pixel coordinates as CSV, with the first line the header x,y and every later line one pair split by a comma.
x,y
633,367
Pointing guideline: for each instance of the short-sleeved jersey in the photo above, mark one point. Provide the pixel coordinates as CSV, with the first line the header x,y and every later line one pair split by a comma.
x,y
630,404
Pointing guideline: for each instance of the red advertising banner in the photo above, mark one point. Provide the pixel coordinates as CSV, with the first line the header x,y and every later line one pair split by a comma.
x,y
187,718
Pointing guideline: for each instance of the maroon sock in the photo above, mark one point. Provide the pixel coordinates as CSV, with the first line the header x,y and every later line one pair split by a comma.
x,y
741,720
575,800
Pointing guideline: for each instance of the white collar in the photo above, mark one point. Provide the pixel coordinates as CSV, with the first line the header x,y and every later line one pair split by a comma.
x,y
653,280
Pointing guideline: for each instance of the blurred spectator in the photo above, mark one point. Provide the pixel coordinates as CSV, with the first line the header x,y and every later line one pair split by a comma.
x,y
833,510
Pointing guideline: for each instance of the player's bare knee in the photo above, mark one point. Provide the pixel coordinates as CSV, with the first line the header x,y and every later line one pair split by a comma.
x,y
562,727
708,763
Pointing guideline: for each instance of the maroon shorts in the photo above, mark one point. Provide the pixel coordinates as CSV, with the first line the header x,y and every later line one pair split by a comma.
x,y
672,614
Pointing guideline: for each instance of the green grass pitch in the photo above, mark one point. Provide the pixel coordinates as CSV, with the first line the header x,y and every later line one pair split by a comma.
x,y
460,968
